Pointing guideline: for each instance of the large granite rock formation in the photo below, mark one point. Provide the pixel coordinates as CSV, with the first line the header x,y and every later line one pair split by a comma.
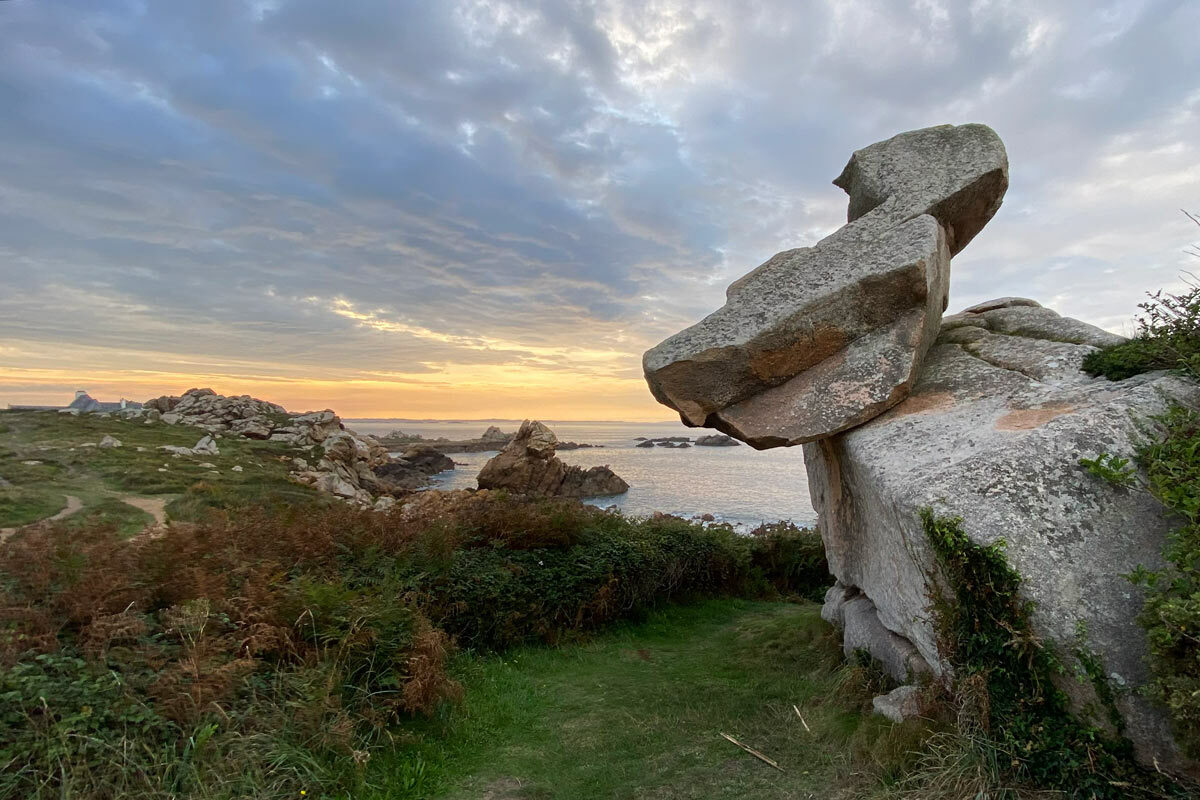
x,y
820,339
993,431
527,465
349,465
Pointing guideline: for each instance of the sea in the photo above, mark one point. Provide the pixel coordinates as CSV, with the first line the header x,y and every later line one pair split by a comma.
x,y
738,485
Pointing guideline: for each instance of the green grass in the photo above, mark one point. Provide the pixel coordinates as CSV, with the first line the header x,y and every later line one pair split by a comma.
x,y
99,477
110,511
21,505
638,712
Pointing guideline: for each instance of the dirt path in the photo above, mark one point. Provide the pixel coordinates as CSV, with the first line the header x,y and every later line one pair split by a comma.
x,y
74,506
154,506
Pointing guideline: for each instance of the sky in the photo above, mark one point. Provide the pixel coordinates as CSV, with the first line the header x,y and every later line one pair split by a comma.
x,y
480,208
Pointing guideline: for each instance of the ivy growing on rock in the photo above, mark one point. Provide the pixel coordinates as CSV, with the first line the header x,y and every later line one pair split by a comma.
x,y
985,632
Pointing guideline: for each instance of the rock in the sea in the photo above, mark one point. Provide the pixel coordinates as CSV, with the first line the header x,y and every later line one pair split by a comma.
x,y
646,443
527,465
494,434
993,433
427,459
823,338
717,440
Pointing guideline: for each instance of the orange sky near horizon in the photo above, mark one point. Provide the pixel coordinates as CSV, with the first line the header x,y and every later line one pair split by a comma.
x,y
498,393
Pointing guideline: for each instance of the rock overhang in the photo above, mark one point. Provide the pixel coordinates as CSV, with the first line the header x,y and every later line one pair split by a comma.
x,y
857,311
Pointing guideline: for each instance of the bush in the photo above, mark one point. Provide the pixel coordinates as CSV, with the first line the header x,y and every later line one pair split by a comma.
x,y
1168,337
1018,719
1171,614
263,651
792,559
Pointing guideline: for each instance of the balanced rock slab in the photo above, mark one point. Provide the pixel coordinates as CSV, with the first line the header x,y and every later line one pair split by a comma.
x,y
993,432
823,338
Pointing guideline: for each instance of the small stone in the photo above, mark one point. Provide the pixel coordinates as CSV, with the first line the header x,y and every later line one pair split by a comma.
x,y
237,468
109,441
903,702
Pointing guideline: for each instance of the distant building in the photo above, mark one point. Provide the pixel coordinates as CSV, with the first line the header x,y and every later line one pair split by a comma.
x,y
83,403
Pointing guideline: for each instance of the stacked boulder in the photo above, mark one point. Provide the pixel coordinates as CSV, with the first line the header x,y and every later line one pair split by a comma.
x,y
528,465
982,415
820,339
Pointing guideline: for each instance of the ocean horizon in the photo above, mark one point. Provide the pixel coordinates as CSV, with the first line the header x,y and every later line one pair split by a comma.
x,y
738,485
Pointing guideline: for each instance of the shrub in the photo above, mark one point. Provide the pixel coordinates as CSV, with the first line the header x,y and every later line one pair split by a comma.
x,y
792,559
1017,711
1171,614
1168,337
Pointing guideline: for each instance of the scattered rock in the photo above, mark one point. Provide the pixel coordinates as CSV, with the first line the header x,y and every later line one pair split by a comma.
x,y
236,468
31,463
717,440
993,432
823,338
645,443
901,703
4,483
528,465
108,442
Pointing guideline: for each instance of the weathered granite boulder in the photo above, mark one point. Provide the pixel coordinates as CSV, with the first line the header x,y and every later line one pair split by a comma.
x,y
823,338
527,465
993,431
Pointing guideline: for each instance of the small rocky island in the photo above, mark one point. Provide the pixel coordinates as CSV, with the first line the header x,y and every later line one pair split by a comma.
x,y
529,466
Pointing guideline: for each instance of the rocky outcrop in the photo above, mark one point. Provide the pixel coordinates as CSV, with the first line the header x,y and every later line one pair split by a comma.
x,y
349,465
993,432
823,338
492,439
716,440
528,465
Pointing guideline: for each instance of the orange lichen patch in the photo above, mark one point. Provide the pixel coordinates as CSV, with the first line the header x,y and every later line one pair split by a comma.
x,y
926,401
1024,419
783,362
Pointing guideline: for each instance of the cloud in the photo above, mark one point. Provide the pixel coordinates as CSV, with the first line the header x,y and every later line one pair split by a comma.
x,y
510,195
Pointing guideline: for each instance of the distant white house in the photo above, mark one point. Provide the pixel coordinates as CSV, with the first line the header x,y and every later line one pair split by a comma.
x,y
83,403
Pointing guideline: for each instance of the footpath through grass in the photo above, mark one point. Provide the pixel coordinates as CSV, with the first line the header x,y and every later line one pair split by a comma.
x,y
638,712
45,456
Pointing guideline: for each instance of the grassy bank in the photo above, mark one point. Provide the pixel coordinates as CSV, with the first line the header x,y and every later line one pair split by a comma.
x,y
638,712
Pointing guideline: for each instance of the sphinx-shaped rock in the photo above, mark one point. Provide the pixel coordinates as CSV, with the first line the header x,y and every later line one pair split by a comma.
x,y
527,465
993,432
820,339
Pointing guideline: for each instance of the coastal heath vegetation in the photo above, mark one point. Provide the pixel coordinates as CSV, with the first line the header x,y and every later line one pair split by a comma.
x,y
268,651
1168,338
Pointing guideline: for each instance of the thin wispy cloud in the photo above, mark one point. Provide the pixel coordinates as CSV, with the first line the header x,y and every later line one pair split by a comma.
x,y
491,208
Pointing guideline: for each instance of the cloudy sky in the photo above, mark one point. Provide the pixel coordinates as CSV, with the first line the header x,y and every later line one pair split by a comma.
x,y
483,208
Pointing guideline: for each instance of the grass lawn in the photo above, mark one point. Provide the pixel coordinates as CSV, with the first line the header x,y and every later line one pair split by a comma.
x,y
20,505
638,713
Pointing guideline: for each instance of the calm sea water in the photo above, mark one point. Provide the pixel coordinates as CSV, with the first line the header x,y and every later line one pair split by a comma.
x,y
739,485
